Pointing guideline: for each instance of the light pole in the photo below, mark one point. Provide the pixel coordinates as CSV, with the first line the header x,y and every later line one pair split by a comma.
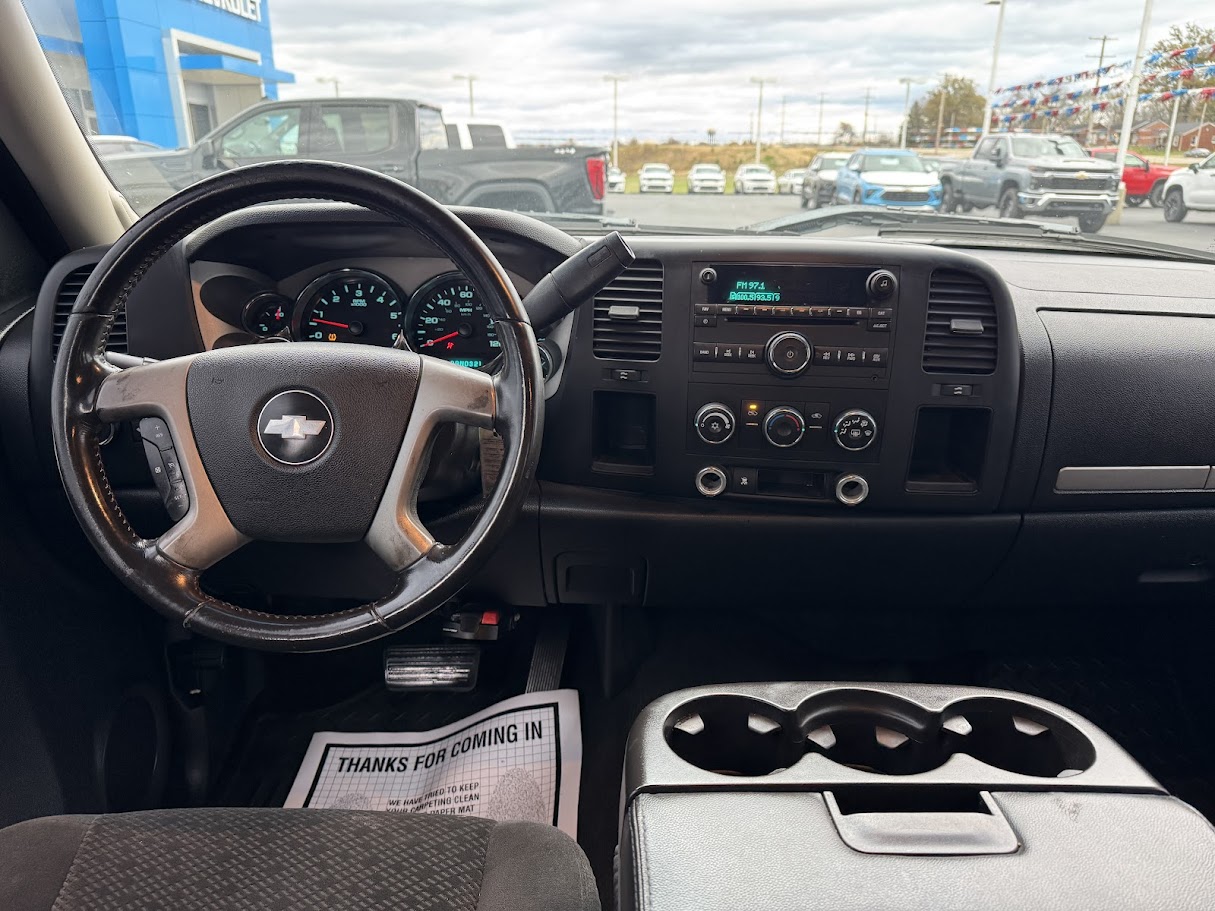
x,y
865,120
1092,114
759,113
615,81
822,97
904,80
331,79
995,62
470,79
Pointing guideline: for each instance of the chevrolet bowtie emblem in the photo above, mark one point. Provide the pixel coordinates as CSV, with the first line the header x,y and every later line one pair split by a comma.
x,y
294,427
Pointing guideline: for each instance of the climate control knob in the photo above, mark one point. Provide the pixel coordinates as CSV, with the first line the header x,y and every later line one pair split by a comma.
x,y
788,353
784,427
714,423
855,430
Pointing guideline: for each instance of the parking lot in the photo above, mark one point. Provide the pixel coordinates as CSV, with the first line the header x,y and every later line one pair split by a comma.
x,y
1144,223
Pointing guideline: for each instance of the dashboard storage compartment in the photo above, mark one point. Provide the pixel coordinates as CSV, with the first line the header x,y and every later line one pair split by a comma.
x,y
785,796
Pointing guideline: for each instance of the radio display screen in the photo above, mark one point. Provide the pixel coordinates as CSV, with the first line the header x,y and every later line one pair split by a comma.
x,y
799,286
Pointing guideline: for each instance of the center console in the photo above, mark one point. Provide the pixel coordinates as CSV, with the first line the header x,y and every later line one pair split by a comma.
x,y
894,796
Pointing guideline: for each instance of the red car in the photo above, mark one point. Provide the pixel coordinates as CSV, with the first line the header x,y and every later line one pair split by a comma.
x,y
1143,179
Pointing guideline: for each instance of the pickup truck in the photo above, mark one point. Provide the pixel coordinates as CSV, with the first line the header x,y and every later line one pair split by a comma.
x,y
407,139
1144,179
1032,174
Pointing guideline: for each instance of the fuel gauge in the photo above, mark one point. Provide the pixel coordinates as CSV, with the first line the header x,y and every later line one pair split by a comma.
x,y
268,314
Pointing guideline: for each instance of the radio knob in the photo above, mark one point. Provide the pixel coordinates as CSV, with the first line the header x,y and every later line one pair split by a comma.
x,y
714,423
881,284
855,430
784,427
788,353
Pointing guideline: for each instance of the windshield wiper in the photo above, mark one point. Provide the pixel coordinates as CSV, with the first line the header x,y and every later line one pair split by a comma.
x,y
1034,236
825,219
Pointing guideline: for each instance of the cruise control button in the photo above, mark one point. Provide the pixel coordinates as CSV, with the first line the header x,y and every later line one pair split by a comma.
x,y
156,466
156,431
178,501
172,465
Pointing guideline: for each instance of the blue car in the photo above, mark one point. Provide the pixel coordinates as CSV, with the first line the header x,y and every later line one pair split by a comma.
x,y
888,177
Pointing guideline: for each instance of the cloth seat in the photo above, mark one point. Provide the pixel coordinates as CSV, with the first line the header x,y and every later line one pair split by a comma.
x,y
328,860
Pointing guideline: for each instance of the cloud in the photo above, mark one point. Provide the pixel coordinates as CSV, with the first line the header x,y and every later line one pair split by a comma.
x,y
540,63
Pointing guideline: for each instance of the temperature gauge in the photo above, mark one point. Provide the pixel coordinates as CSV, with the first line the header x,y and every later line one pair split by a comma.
x,y
267,314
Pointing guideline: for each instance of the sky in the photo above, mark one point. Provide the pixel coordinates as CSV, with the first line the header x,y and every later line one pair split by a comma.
x,y
688,67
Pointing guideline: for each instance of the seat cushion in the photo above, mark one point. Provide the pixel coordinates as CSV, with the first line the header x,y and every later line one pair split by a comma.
x,y
329,860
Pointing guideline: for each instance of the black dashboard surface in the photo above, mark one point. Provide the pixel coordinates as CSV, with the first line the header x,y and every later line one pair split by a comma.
x,y
1084,362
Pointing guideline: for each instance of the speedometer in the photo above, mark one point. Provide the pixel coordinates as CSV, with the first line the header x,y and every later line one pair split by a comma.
x,y
447,319
351,305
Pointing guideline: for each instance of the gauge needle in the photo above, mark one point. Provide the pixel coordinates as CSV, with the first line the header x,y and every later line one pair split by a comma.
x,y
326,322
441,338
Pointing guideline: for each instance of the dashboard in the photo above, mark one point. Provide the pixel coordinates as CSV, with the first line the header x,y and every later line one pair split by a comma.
x,y
840,421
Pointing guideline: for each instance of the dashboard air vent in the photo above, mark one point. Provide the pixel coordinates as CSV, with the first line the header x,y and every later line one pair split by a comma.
x,y
66,298
628,314
960,336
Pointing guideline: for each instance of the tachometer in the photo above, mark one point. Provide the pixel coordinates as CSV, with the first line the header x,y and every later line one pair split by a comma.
x,y
352,305
447,319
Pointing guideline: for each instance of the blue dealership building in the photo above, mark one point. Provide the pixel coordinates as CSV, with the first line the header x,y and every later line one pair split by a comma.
x,y
163,71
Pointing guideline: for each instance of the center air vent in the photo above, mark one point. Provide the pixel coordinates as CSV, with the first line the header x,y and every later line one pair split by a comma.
x,y
66,299
628,314
960,336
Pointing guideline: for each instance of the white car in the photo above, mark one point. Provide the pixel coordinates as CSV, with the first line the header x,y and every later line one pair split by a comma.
x,y
615,180
1190,188
1197,152
754,178
706,178
657,178
791,181
106,146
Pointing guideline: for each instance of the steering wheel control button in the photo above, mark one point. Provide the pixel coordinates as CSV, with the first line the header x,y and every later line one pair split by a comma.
x,y
295,427
881,284
714,423
156,432
855,430
788,353
784,427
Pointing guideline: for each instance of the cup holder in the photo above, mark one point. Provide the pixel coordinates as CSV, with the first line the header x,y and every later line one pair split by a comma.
x,y
875,732
734,735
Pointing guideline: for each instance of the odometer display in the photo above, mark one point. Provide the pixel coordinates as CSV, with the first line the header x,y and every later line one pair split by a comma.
x,y
446,319
350,306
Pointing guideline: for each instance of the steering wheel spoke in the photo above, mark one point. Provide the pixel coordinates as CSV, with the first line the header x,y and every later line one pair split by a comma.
x,y
446,394
155,395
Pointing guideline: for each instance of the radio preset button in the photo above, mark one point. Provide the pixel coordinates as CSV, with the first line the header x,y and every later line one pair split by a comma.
x,y
745,310
714,423
788,353
820,312
858,312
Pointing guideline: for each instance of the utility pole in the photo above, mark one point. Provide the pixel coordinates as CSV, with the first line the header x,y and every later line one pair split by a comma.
x,y
761,81
470,79
907,81
940,118
822,97
750,126
1168,146
989,112
781,141
865,122
332,79
615,81
1132,96
1100,58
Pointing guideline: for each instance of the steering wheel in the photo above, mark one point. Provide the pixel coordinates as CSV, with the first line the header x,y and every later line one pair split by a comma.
x,y
301,442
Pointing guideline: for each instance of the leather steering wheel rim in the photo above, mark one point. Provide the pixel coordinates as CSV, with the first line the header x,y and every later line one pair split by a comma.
x,y
89,393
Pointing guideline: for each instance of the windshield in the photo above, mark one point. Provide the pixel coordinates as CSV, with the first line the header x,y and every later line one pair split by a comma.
x,y
524,106
1047,147
891,163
